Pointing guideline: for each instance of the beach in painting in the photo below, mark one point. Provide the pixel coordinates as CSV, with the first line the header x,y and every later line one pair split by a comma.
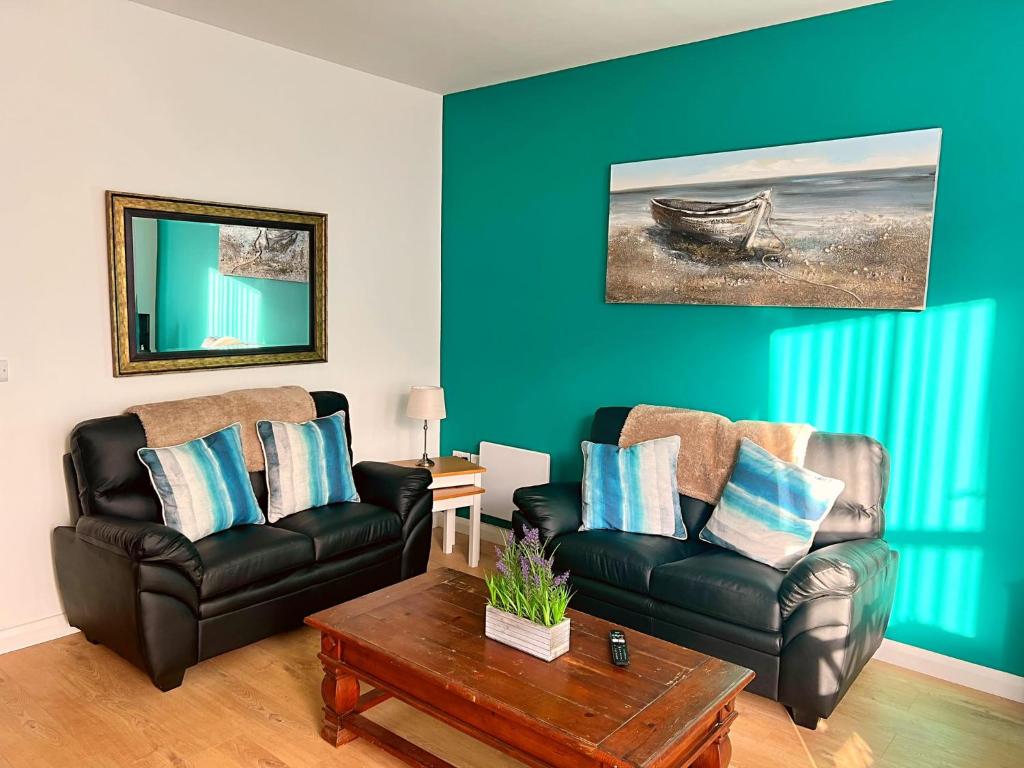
x,y
848,237
271,254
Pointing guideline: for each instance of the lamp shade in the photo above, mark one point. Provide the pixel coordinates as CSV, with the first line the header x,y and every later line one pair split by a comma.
x,y
425,403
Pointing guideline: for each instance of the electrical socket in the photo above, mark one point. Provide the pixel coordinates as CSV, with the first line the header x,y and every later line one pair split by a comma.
x,y
3,370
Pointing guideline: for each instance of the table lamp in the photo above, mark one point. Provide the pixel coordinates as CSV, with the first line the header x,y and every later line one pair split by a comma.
x,y
425,403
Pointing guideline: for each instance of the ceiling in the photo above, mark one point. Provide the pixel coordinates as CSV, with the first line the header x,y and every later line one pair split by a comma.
x,y
452,45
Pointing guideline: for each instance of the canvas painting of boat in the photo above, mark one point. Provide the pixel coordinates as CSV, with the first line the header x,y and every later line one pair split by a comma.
x,y
263,252
841,223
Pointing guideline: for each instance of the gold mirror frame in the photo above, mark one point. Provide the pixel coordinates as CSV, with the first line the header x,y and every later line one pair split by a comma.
x,y
129,362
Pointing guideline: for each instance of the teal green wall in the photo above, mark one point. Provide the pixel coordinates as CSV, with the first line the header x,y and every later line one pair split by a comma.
x,y
194,300
530,349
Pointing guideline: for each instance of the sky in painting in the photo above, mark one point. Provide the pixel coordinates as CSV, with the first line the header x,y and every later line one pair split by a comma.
x,y
890,150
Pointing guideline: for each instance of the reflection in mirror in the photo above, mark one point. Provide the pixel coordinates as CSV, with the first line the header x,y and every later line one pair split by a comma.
x,y
210,285
216,286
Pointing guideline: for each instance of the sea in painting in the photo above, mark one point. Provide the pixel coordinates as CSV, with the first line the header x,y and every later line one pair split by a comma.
x,y
844,223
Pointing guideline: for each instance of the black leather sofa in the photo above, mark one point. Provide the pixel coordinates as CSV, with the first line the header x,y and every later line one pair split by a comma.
x,y
165,603
806,633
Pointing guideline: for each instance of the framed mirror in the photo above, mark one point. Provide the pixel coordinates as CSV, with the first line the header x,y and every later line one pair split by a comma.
x,y
199,285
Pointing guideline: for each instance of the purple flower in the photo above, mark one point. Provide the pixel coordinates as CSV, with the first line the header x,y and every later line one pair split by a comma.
x,y
540,562
502,568
531,536
560,579
499,553
524,567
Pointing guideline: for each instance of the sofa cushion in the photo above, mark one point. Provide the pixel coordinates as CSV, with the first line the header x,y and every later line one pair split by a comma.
x,y
608,423
339,528
246,554
625,560
724,585
110,479
308,465
863,464
633,489
369,561
770,509
203,484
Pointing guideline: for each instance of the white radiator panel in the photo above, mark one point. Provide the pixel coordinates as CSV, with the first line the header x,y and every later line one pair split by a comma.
x,y
509,468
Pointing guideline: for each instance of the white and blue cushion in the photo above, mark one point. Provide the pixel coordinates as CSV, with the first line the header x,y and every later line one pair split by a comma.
x,y
633,489
307,465
770,509
203,484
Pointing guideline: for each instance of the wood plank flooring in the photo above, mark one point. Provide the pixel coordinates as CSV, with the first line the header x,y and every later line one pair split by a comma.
x,y
69,703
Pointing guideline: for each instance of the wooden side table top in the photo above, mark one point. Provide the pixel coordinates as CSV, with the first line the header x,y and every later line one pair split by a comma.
x,y
445,466
457,492
422,640
455,482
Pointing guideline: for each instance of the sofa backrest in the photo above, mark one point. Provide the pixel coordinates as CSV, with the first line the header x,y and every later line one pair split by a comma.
x,y
859,461
863,464
105,470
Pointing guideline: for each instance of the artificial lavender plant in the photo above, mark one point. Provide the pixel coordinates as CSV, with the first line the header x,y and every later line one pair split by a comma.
x,y
525,584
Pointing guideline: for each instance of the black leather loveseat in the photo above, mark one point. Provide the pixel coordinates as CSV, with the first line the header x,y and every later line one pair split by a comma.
x,y
806,633
165,603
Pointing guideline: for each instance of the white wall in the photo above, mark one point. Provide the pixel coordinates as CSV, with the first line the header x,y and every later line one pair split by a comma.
x,y
106,94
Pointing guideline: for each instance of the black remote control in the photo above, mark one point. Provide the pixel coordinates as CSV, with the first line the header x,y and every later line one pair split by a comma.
x,y
620,649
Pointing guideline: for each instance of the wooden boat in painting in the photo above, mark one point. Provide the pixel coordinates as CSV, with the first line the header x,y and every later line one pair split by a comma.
x,y
731,223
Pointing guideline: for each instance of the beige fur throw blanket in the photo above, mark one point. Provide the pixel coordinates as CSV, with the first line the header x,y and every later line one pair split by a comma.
x,y
710,442
178,421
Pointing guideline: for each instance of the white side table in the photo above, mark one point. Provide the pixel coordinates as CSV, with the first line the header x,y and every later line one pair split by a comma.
x,y
456,485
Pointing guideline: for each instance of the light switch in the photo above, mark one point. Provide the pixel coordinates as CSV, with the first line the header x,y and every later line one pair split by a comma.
x,y
3,370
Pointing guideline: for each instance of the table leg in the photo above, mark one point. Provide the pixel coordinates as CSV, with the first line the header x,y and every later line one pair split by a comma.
x,y
718,752
716,755
340,692
449,531
474,533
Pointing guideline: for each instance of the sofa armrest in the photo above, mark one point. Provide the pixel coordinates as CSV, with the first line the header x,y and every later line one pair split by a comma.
x,y
838,570
553,508
142,542
390,486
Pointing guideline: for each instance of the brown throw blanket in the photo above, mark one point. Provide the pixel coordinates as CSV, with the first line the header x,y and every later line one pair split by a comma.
x,y
707,453
178,421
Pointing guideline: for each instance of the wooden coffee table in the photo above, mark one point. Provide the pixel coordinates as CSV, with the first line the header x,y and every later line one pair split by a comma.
x,y
422,641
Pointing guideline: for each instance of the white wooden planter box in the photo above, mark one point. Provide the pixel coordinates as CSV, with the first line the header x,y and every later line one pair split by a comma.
x,y
546,643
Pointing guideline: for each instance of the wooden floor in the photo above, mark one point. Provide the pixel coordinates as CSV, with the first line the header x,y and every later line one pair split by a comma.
x,y
68,703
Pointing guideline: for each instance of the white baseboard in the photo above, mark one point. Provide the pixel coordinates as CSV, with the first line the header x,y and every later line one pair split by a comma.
x,y
952,670
34,632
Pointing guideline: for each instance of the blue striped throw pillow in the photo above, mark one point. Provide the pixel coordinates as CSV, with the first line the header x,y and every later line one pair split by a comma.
x,y
770,509
633,489
307,465
203,484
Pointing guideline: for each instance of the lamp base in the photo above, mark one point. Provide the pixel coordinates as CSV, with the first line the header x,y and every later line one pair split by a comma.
x,y
426,461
